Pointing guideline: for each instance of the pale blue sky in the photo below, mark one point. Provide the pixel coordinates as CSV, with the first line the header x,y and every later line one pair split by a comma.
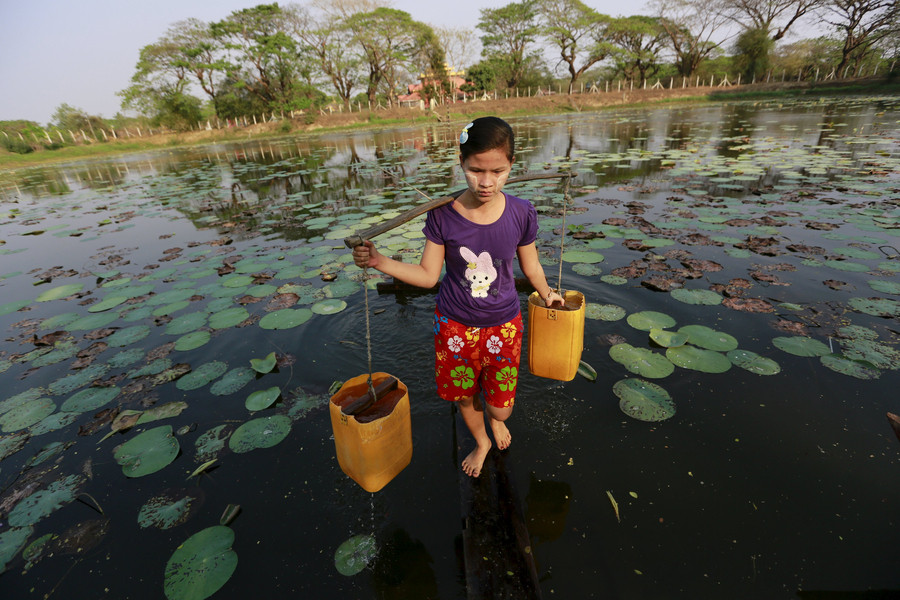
x,y
82,52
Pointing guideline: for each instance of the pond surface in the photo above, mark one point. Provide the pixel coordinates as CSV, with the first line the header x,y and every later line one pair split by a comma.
x,y
148,283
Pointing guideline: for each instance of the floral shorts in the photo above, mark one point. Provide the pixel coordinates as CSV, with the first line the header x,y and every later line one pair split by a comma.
x,y
469,360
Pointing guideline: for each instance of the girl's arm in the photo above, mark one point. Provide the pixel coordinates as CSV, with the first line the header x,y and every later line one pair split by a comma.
x,y
425,274
534,271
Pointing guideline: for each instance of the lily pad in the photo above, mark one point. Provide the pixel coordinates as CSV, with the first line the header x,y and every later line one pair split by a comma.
x,y
11,541
201,565
877,354
128,336
228,317
201,375
698,359
192,341
43,502
26,414
285,318
107,303
581,256
886,287
643,400
641,361
753,362
264,365
165,511
89,399
705,337
879,307
603,312
648,319
62,291
704,297
668,339
147,452
262,399
847,366
186,323
263,432
328,307
210,442
355,554
72,382
801,346
232,381
340,288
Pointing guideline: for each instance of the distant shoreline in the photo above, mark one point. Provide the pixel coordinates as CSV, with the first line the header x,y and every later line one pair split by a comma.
x,y
507,107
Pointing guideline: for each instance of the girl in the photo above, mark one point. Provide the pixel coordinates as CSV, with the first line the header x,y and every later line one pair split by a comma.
x,y
477,321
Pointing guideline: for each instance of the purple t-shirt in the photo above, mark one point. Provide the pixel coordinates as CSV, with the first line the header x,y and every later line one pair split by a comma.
x,y
479,288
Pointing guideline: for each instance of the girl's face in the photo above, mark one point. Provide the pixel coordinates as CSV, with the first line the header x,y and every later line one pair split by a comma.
x,y
486,173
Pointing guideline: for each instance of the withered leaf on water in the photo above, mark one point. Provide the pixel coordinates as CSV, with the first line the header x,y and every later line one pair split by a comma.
x,y
82,537
49,339
820,225
702,265
756,305
248,299
610,339
100,419
661,283
804,249
160,351
838,285
791,327
767,278
99,334
281,301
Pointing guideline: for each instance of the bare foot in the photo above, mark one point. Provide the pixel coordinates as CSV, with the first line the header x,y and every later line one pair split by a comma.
x,y
501,434
475,460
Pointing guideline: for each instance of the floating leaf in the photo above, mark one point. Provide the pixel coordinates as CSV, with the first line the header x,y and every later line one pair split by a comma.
x,y
690,357
107,303
43,502
128,336
886,287
641,361
186,323
264,432
648,319
801,346
753,362
355,554
587,371
232,381
603,312
286,318
328,307
262,399
668,339
148,452
11,541
192,341
201,565
62,291
878,355
853,368
263,365
210,442
26,414
201,375
704,337
704,297
165,511
643,400
228,317
879,307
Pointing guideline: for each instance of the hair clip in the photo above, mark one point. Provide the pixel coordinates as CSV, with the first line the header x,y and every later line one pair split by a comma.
x,y
464,136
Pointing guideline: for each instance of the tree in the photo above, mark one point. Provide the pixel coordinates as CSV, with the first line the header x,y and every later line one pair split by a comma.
x,y
691,28
578,32
640,40
861,25
807,57
457,43
509,31
774,17
752,53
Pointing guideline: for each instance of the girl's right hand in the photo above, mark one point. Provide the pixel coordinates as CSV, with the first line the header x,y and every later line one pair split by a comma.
x,y
365,255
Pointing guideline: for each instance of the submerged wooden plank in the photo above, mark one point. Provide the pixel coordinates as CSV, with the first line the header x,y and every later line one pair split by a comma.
x,y
496,545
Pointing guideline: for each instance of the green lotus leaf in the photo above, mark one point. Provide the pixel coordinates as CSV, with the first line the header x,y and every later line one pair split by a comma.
x,y
163,411
710,339
667,339
10,444
11,541
586,269
89,399
168,309
210,442
847,366
641,361
228,317
648,319
704,297
643,400
174,296
299,403
26,414
846,265
340,288
587,371
186,323
603,312
262,399
263,432
801,346
261,291
237,281
62,351
128,336
107,303
328,307
698,359
355,554
201,565
34,551
192,341
38,505
232,381
201,375
58,321
95,321
46,453
879,355
217,305
57,420
613,280
859,253
126,357
264,365
753,362
148,452
581,256
857,331
878,307
164,511
11,307
20,399
153,368
885,287
285,318
62,291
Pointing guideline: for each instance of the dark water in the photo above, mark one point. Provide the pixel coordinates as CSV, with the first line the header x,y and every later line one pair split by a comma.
x,y
760,486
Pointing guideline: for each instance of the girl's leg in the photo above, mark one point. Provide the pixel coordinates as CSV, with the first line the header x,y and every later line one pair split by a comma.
x,y
475,422
498,426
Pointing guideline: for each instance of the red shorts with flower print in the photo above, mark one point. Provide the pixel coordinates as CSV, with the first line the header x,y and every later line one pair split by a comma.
x,y
469,360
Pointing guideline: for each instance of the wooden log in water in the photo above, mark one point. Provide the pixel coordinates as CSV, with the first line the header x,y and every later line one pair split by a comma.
x,y
496,544
894,420
355,240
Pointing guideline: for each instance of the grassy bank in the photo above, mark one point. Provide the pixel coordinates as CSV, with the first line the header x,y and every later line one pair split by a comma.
x,y
522,106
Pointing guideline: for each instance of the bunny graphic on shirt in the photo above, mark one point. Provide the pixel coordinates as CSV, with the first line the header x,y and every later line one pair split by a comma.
x,y
480,271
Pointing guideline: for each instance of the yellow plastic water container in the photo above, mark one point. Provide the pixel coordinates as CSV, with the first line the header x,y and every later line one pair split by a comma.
x,y
555,336
375,445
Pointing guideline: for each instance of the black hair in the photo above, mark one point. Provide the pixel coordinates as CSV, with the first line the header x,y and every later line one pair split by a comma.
x,y
488,133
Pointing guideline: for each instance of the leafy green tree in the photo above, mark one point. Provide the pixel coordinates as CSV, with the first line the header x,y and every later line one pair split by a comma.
x,y
509,33
861,25
807,56
578,32
752,51
693,31
774,17
639,40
